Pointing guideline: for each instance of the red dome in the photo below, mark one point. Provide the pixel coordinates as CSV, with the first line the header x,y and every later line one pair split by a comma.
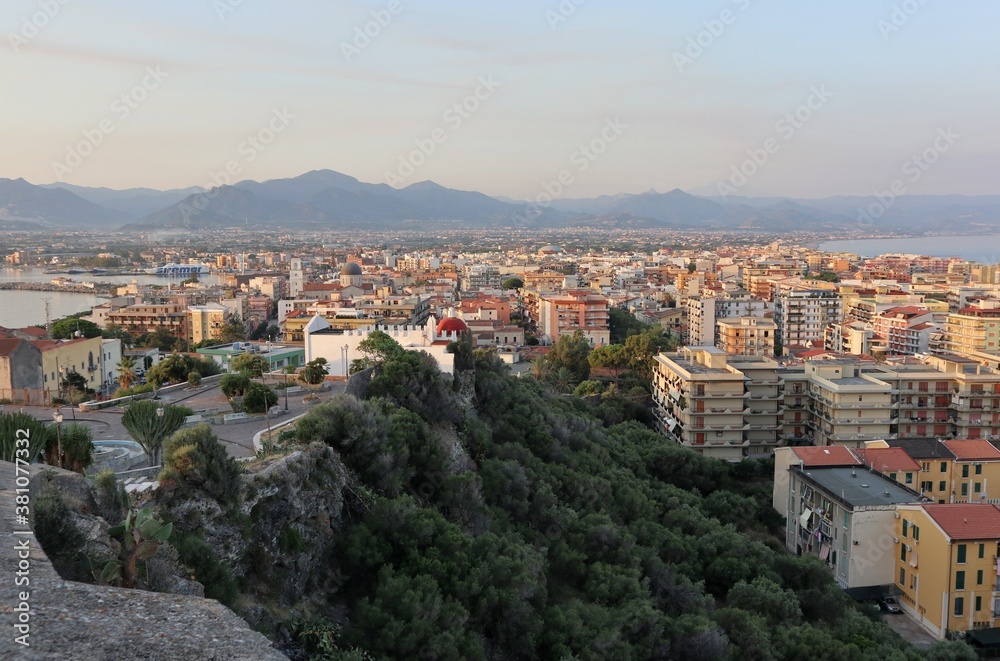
x,y
451,325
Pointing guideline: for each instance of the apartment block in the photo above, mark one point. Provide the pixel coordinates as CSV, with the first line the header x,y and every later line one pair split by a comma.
x,y
847,406
205,322
746,336
974,329
141,319
803,314
553,315
945,560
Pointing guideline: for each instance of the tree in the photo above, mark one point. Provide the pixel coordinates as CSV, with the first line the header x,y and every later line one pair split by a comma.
x,y
611,357
315,371
513,283
114,332
195,460
232,331
149,428
379,347
194,379
259,398
74,382
251,364
234,385
67,328
126,372
161,339
571,352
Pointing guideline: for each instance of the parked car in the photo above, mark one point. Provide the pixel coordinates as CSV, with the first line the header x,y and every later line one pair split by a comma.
x,y
890,605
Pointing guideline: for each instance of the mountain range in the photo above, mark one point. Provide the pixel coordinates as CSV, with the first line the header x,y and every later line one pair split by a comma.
x,y
325,199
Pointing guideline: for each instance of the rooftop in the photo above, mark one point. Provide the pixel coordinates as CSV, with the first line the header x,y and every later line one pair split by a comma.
x,y
833,455
966,520
888,459
859,487
923,448
973,450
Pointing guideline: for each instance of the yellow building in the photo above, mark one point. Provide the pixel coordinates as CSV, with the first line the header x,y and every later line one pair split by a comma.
x,y
946,565
60,357
205,322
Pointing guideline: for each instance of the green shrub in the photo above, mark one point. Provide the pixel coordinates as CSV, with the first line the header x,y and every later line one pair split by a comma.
x,y
112,500
16,427
195,460
259,398
199,557
194,379
59,537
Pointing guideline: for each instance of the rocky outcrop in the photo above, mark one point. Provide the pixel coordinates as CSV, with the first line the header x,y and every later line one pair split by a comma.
x,y
71,620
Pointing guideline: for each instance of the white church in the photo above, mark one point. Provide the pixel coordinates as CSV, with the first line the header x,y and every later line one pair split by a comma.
x,y
340,347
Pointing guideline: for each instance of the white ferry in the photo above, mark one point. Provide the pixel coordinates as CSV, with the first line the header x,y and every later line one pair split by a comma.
x,y
180,269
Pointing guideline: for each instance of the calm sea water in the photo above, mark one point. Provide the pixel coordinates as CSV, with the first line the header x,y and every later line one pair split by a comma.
x,y
982,249
27,308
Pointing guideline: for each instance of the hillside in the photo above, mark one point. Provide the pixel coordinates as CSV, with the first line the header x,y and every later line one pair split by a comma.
x,y
486,517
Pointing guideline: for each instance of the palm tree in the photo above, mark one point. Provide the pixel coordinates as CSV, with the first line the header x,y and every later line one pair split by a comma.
x,y
563,379
126,371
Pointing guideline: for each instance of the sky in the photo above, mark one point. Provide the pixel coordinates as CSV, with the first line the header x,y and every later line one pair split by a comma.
x,y
575,97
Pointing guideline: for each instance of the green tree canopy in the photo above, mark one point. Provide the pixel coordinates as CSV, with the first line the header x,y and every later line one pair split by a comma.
x,y
252,364
571,352
513,283
149,428
65,329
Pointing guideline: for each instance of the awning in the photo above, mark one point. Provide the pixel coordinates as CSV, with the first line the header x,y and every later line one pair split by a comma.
x,y
913,560
804,519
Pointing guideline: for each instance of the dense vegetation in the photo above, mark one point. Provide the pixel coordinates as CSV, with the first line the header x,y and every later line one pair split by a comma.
x,y
560,537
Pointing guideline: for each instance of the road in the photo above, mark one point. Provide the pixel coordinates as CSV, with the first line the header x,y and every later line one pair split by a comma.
x,y
238,438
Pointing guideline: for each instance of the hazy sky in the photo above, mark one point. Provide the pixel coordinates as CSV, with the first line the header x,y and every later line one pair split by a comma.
x,y
200,77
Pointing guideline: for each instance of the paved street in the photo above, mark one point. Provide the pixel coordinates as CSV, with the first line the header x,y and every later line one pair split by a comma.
x,y
238,438
910,630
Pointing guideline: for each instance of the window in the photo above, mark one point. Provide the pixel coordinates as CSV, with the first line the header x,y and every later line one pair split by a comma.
x,y
845,528
906,527
942,486
965,470
979,469
960,580
959,605
902,576
979,577
976,488
892,476
944,467
982,551
961,554
979,603
909,478
902,553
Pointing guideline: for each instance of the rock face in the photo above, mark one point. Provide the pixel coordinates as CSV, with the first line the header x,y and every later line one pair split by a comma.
x,y
280,543
76,621
294,504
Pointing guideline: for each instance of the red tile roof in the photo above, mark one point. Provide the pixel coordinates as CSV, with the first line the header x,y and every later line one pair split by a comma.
x,y
888,459
973,450
7,346
833,455
966,520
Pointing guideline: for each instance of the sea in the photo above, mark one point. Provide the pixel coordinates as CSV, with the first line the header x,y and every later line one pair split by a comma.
x,y
982,249
27,308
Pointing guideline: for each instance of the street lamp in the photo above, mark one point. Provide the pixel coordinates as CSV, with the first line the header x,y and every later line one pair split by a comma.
x,y
57,417
286,392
